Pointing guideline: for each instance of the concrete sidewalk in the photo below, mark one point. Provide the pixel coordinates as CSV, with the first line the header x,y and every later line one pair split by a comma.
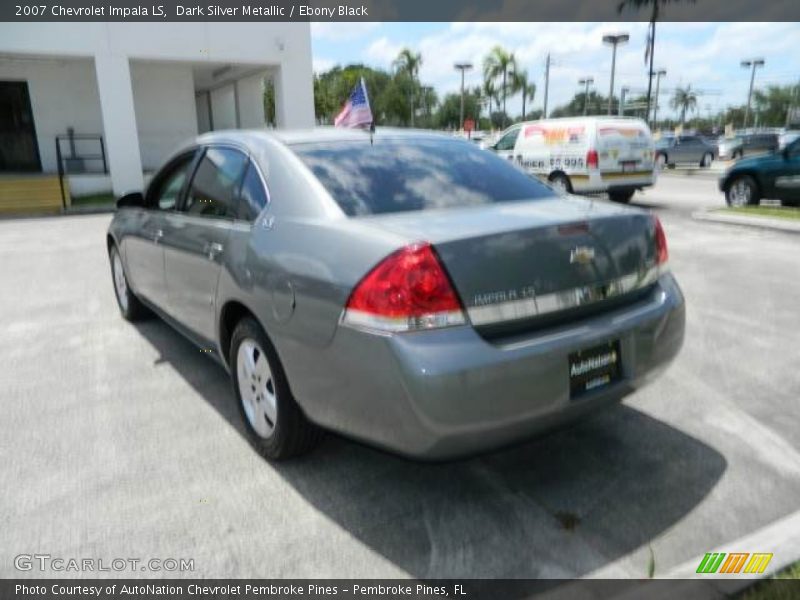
x,y
717,215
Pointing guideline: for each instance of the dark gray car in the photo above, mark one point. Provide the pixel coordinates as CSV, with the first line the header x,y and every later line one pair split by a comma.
x,y
691,149
406,289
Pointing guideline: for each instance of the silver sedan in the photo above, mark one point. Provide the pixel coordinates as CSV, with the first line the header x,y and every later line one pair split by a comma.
x,y
402,288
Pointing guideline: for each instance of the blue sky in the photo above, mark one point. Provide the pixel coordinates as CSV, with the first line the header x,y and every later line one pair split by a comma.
x,y
705,55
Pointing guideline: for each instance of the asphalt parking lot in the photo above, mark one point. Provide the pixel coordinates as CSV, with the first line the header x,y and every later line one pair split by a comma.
x,y
123,441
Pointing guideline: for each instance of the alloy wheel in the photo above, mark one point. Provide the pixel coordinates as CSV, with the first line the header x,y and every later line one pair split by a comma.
x,y
256,387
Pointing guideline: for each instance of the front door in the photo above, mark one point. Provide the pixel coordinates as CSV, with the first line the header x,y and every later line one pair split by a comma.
x,y
19,150
787,180
195,238
143,250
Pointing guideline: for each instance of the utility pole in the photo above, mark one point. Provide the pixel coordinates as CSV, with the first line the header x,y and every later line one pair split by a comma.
x,y
462,67
659,74
546,83
750,63
614,40
585,82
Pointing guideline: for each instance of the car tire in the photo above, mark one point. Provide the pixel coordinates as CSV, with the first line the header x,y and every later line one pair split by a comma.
x,y
742,190
275,424
707,159
621,196
561,182
130,306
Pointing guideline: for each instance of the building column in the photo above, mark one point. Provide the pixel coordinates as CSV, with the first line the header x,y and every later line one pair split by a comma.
x,y
119,123
294,97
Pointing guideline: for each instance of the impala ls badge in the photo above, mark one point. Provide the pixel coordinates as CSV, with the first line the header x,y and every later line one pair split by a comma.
x,y
582,255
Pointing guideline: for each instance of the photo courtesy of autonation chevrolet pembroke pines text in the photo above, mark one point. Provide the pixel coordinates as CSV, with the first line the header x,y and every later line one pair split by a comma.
x,y
399,299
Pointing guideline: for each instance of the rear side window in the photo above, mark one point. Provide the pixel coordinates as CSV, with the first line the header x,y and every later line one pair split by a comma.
x,y
215,184
416,174
253,197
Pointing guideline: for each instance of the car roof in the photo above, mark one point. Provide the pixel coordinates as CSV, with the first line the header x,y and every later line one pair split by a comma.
x,y
257,137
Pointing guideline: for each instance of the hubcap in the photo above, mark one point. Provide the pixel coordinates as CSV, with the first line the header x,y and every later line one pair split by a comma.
x,y
256,388
740,193
120,285
706,160
660,161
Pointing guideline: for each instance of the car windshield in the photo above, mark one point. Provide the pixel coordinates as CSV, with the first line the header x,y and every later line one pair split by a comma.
x,y
421,174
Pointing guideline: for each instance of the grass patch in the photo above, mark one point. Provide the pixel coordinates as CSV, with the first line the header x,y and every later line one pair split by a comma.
x,y
776,587
106,198
780,212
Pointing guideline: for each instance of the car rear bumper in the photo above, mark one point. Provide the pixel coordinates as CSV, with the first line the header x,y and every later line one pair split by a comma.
x,y
447,393
602,182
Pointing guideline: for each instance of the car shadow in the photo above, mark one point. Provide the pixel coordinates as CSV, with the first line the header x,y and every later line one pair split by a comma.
x,y
561,505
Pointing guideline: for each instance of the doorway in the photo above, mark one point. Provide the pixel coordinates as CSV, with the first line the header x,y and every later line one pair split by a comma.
x,y
19,150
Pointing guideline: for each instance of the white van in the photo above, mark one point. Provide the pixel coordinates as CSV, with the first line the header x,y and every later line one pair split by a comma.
x,y
584,154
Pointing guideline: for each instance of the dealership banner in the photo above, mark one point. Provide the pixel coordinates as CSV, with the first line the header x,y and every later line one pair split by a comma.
x,y
383,589
395,10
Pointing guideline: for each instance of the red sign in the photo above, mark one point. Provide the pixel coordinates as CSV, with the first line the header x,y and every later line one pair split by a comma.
x,y
469,125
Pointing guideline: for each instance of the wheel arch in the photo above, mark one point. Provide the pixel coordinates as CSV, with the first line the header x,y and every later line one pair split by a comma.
x,y
749,173
232,312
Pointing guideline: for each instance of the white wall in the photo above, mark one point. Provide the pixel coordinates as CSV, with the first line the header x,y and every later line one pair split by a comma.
x,y
63,94
251,101
163,97
223,108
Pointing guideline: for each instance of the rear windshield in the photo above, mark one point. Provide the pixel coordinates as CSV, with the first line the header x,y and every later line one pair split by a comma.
x,y
421,174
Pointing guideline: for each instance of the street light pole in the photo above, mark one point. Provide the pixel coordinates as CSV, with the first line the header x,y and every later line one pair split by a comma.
x,y
614,40
751,63
585,82
659,74
462,67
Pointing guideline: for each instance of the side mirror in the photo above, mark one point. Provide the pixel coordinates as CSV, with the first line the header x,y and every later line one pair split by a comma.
x,y
132,199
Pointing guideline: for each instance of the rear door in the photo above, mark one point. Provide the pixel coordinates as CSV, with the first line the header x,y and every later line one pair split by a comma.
x,y
196,236
144,254
689,149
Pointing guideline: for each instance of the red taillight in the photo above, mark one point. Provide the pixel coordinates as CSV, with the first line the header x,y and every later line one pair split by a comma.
x,y
408,290
591,159
662,254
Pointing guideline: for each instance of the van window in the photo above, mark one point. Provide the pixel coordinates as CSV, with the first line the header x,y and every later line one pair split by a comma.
x,y
509,140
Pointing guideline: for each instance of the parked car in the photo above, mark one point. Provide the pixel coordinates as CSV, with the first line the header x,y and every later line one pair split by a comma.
x,y
407,289
584,155
787,137
775,175
691,149
747,144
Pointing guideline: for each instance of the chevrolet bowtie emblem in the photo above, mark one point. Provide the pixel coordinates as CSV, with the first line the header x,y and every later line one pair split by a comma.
x,y
581,255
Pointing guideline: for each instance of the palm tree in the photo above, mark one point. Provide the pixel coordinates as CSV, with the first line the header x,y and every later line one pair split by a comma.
x,y
520,83
409,62
498,64
684,99
490,94
651,36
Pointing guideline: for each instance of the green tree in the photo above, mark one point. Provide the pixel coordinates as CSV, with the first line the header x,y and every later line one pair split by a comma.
x,y
596,104
407,64
449,113
528,90
497,65
773,103
684,100
269,101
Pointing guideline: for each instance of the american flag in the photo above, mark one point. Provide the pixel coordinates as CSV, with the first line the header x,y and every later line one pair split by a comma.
x,y
356,111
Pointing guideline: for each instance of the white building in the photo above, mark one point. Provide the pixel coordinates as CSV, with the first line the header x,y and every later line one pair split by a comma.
x,y
141,88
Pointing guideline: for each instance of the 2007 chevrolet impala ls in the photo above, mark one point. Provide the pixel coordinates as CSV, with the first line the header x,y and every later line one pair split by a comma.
x,y
406,289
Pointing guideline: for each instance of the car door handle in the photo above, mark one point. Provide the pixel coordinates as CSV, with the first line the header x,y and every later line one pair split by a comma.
x,y
212,249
